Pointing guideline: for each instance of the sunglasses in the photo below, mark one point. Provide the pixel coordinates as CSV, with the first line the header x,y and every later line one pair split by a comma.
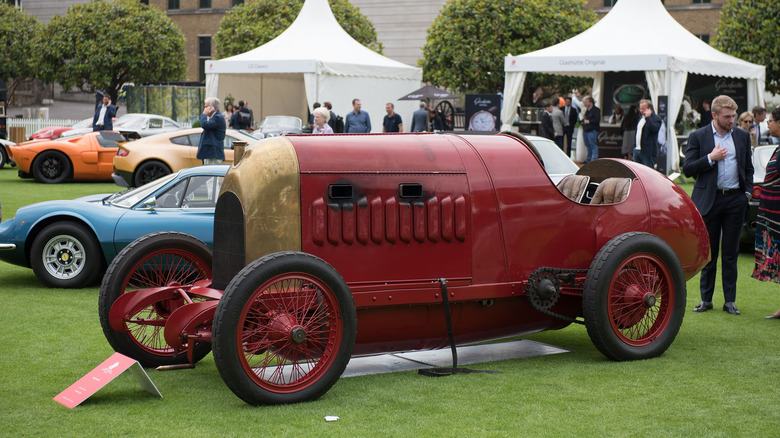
x,y
747,121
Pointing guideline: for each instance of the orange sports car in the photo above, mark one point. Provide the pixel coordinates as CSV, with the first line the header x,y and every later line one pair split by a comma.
x,y
89,156
138,162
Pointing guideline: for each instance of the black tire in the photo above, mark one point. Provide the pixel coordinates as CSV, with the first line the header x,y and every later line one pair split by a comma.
x,y
51,167
131,270
306,296
634,297
150,171
3,156
66,255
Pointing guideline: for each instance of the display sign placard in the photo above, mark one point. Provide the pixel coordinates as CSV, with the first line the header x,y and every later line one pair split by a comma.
x,y
483,112
100,376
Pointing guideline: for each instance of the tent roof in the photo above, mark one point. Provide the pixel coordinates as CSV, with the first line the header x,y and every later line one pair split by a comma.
x,y
636,35
314,42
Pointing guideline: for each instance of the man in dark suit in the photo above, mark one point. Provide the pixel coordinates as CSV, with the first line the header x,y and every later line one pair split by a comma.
x,y
547,129
570,117
647,134
212,141
104,116
720,158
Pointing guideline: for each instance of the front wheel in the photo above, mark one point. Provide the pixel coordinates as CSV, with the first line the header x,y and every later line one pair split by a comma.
x,y
634,297
66,255
155,260
284,330
51,167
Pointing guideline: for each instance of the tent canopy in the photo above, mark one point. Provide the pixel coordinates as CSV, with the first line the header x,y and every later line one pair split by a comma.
x,y
664,49
313,60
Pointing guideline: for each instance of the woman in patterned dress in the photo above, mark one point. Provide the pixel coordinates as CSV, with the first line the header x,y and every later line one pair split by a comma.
x,y
768,224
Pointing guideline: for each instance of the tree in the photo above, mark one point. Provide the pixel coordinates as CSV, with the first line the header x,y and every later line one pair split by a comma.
x,y
17,43
254,23
748,30
467,42
101,45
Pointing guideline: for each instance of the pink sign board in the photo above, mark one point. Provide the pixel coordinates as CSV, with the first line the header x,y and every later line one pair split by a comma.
x,y
100,376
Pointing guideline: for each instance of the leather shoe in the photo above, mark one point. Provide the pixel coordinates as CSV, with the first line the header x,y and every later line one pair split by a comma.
x,y
731,308
703,306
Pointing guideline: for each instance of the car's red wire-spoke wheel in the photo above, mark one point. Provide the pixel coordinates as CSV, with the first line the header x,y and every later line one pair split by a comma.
x,y
633,298
639,299
289,332
168,267
157,260
284,329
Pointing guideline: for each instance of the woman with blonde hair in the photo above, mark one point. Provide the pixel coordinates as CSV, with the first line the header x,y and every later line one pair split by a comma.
x,y
321,117
745,121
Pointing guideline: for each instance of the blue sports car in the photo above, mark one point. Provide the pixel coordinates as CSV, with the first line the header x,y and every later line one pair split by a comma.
x,y
68,244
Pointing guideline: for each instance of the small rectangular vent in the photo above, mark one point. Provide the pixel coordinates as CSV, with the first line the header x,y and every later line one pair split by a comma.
x,y
410,190
340,191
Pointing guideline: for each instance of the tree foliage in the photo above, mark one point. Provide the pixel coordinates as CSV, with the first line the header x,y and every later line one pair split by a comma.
x,y
101,45
748,30
467,42
17,43
254,23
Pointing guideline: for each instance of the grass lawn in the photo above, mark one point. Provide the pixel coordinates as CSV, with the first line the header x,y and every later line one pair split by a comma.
x,y
719,378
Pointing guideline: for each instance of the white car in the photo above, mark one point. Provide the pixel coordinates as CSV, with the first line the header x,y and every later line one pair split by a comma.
x,y
143,124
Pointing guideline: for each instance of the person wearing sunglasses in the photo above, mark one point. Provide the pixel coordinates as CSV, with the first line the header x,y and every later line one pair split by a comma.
x,y
745,122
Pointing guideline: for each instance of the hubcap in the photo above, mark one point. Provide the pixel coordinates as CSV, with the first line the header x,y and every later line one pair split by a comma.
x,y
64,257
298,335
649,300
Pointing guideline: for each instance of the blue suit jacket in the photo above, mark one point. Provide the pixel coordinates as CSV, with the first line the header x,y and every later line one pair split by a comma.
x,y
212,141
700,144
108,120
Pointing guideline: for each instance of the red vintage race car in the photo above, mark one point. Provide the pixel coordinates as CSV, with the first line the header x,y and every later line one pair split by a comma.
x,y
329,246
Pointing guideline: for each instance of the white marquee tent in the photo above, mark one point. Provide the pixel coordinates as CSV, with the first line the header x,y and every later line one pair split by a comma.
x,y
636,35
314,60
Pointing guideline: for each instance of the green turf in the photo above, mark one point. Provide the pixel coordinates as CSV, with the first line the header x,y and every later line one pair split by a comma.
x,y
719,378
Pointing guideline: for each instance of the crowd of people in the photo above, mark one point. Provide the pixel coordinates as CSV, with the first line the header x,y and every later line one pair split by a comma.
x,y
718,155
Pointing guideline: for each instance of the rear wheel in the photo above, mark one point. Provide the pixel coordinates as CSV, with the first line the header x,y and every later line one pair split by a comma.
x,y
154,260
51,167
284,330
150,171
634,297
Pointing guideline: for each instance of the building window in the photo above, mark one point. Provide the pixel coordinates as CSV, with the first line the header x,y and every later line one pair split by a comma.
x,y
145,2
704,37
205,4
236,2
609,3
700,1
173,4
204,53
